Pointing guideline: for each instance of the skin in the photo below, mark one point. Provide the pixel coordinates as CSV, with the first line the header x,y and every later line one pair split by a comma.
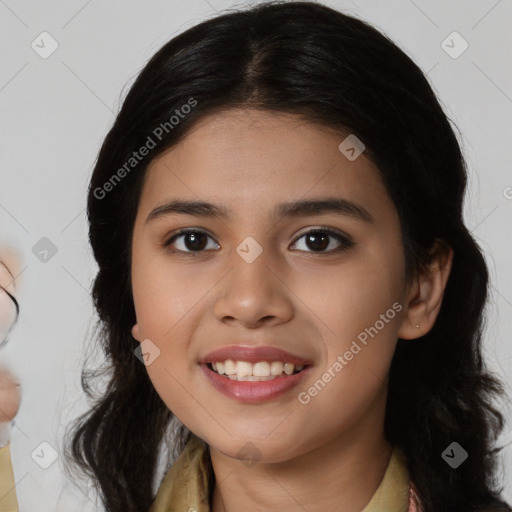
x,y
10,395
10,390
329,454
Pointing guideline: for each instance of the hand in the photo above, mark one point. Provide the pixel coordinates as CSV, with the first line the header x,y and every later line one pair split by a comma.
x,y
10,387
9,268
10,395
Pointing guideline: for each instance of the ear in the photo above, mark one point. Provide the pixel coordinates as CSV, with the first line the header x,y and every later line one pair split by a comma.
x,y
425,294
135,332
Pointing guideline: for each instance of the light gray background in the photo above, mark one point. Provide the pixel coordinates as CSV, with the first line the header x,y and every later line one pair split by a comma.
x,y
55,112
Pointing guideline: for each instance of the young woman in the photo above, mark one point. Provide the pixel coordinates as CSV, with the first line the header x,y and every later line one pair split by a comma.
x,y
320,349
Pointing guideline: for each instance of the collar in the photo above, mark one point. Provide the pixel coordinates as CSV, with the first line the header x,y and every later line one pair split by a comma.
x,y
186,486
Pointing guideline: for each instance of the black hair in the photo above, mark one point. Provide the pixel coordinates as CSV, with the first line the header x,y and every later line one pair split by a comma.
x,y
310,60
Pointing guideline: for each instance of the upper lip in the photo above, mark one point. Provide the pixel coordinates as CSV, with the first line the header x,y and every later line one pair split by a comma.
x,y
252,354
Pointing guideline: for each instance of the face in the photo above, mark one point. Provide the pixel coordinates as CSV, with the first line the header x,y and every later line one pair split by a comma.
x,y
325,285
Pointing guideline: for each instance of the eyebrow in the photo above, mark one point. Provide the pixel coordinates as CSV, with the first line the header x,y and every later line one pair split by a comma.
x,y
290,209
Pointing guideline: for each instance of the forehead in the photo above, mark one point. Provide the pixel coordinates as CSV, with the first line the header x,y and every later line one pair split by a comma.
x,y
255,158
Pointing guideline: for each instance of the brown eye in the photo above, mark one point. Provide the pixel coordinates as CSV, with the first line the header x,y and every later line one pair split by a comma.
x,y
189,241
318,240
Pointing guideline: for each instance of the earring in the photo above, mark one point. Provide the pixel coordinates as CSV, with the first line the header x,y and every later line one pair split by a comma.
x,y
417,326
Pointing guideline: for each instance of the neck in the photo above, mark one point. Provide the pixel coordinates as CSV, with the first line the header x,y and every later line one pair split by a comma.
x,y
342,474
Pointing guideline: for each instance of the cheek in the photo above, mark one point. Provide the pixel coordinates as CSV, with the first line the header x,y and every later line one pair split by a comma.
x,y
164,303
359,307
352,375
162,296
352,296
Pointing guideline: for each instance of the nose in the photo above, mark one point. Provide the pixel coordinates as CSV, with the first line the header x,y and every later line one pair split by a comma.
x,y
254,295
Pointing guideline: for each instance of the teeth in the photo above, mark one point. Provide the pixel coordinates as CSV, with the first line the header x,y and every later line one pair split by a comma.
x,y
288,368
229,367
276,368
262,370
243,369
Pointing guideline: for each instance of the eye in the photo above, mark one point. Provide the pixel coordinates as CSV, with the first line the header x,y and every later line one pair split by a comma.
x,y
189,241
318,240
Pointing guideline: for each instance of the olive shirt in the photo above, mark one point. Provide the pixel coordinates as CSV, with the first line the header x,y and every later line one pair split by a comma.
x,y
185,486
8,500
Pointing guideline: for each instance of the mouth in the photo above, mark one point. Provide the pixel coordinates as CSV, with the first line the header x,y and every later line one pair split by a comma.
x,y
254,372
245,387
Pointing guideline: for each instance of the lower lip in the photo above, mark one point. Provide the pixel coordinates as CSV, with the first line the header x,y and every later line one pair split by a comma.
x,y
256,391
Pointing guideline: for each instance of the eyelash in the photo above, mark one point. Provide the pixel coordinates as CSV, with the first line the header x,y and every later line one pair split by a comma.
x,y
345,241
